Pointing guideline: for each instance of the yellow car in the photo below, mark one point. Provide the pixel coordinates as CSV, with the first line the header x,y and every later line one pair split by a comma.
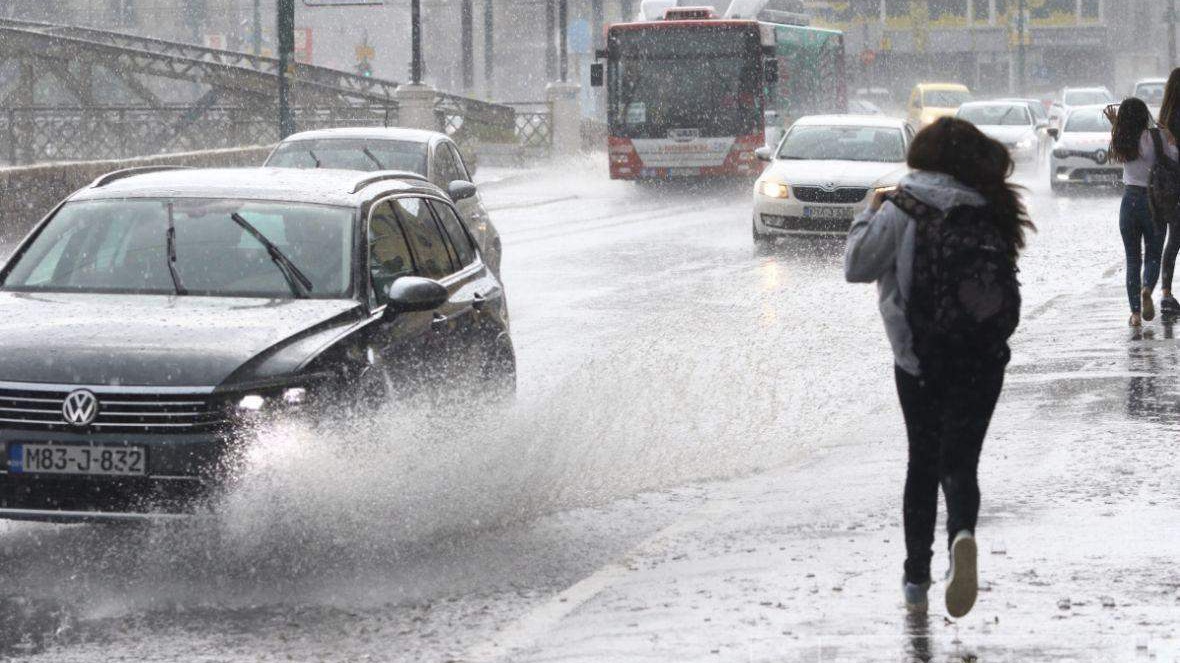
x,y
930,101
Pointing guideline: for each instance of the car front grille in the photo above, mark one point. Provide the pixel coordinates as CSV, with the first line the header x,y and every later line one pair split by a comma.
x,y
843,195
806,225
38,407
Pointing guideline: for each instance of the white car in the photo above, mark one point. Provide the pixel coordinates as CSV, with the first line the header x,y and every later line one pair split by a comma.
x,y
1072,97
1081,155
825,171
431,154
1013,124
1151,91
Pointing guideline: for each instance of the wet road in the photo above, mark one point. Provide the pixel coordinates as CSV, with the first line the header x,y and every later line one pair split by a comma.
x,y
658,355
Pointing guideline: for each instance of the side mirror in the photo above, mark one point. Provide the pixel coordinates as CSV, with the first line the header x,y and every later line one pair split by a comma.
x,y
1054,133
414,293
770,71
461,189
764,153
597,74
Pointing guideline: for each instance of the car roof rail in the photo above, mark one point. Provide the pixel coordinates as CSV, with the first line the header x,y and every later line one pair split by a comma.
x,y
386,175
103,180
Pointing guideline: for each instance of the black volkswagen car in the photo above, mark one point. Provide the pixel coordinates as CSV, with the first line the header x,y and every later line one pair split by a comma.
x,y
155,315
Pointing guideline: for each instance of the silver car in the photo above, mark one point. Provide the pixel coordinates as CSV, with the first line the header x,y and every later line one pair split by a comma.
x,y
430,154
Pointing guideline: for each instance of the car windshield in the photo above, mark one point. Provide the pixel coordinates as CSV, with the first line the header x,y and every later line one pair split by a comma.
x,y
993,115
849,143
351,154
1152,93
945,98
122,246
1087,121
1087,97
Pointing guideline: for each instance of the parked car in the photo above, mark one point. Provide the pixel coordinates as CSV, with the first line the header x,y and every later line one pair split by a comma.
x,y
1011,123
1081,155
1072,97
429,153
825,171
1151,91
153,317
930,101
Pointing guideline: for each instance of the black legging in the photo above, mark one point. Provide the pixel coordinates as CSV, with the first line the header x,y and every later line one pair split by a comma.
x,y
946,424
1170,250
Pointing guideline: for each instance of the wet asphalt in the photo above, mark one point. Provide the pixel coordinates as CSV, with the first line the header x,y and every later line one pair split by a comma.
x,y
704,463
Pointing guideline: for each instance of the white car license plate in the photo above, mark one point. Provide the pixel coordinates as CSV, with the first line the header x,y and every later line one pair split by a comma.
x,y
836,213
74,459
1103,178
683,172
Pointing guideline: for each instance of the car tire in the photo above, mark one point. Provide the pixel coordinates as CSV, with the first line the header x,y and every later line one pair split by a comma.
x,y
762,243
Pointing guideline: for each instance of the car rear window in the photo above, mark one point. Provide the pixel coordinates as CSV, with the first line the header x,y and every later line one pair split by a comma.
x,y
351,154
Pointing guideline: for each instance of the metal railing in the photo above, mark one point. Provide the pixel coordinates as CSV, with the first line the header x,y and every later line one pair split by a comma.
x,y
36,134
534,124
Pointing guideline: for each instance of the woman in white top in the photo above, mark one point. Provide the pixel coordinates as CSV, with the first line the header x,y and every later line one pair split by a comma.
x,y
1134,145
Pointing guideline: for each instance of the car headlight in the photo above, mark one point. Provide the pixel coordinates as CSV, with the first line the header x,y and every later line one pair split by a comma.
x,y
1025,143
772,189
884,190
291,397
252,403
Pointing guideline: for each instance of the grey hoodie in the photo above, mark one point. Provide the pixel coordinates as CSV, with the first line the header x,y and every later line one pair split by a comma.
x,y
881,248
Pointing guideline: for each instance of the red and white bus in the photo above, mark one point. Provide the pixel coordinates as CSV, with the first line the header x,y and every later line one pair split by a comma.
x,y
689,95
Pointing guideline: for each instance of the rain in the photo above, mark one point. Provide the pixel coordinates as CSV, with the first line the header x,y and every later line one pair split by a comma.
x,y
506,331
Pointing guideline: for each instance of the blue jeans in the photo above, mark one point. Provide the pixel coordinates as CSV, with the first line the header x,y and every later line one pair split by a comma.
x,y
1139,238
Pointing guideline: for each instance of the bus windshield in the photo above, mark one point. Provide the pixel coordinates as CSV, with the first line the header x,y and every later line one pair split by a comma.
x,y
698,78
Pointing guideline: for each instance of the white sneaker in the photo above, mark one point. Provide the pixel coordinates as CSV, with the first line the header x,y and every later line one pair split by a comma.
x,y
963,580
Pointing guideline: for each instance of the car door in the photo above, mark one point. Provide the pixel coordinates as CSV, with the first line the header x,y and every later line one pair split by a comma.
x,y
407,352
434,258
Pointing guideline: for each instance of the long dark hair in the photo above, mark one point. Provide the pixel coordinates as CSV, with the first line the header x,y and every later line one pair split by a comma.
x,y
959,149
1129,125
1171,105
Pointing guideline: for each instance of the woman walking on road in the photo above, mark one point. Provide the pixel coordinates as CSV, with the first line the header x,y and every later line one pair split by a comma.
x,y
943,250
1134,144
1169,119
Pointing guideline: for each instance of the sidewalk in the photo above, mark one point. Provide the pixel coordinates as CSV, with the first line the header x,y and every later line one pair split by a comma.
x,y
1078,537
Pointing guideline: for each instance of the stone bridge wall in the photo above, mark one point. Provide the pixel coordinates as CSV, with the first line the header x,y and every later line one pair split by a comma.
x,y
27,193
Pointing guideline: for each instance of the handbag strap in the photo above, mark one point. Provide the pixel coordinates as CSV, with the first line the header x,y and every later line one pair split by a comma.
x,y
1157,140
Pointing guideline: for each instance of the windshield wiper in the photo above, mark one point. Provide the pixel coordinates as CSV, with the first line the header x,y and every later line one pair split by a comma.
x,y
372,157
300,284
171,239
315,159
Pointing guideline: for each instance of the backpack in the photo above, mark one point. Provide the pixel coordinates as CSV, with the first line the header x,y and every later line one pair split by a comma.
x,y
964,300
1163,185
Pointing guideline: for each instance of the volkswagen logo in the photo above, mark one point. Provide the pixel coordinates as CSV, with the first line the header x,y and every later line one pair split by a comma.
x,y
80,408
1100,157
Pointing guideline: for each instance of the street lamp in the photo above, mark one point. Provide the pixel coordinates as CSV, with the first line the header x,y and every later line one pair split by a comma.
x,y
1020,54
416,42
286,30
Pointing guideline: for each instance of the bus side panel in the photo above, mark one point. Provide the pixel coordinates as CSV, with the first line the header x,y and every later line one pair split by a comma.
x,y
811,73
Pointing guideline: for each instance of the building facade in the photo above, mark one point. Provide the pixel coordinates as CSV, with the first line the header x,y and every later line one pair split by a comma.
x,y
978,42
